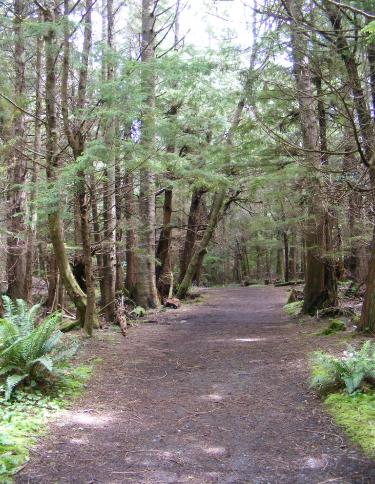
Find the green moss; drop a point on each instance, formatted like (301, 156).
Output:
(335, 326)
(25, 417)
(356, 413)
(294, 308)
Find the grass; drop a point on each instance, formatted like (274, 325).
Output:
(356, 414)
(25, 418)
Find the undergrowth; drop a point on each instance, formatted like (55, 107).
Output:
(293, 308)
(352, 371)
(335, 326)
(24, 418)
(347, 382)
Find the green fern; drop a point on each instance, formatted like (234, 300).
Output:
(29, 351)
(351, 371)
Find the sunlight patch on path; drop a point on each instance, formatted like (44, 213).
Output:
(237, 340)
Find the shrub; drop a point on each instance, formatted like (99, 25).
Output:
(350, 371)
(29, 351)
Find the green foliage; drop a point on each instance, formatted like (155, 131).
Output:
(293, 308)
(24, 418)
(350, 371)
(29, 351)
(138, 311)
(335, 326)
(369, 31)
(356, 414)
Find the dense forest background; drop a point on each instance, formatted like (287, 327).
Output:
(139, 158)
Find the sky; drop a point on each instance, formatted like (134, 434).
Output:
(204, 21)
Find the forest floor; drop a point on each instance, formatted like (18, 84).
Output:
(215, 392)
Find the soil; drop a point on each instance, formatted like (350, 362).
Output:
(215, 392)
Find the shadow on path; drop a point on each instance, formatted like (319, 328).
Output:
(216, 393)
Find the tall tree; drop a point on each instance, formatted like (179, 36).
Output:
(320, 280)
(146, 292)
(16, 243)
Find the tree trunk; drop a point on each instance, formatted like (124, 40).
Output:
(319, 292)
(109, 256)
(16, 203)
(201, 250)
(76, 139)
(366, 145)
(52, 163)
(97, 236)
(163, 256)
(146, 292)
(293, 259)
(52, 278)
(31, 233)
(279, 264)
(191, 231)
(119, 189)
(286, 255)
(131, 237)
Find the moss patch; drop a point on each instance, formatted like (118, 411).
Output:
(335, 326)
(293, 308)
(356, 413)
(25, 417)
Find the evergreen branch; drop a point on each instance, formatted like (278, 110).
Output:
(13, 103)
(352, 9)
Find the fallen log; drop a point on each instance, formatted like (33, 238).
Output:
(289, 283)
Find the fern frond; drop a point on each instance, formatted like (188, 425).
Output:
(11, 382)
(9, 308)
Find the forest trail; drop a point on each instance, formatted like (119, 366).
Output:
(215, 393)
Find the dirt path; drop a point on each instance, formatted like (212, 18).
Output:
(215, 394)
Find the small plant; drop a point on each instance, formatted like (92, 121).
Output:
(350, 371)
(293, 308)
(29, 351)
(138, 311)
(25, 417)
(334, 327)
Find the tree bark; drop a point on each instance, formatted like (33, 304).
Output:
(109, 246)
(191, 231)
(31, 232)
(366, 146)
(201, 250)
(163, 256)
(131, 237)
(146, 292)
(76, 140)
(52, 163)
(16, 203)
(319, 276)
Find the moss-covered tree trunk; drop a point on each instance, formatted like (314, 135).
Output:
(52, 164)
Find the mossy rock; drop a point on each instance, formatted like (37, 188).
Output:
(335, 326)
